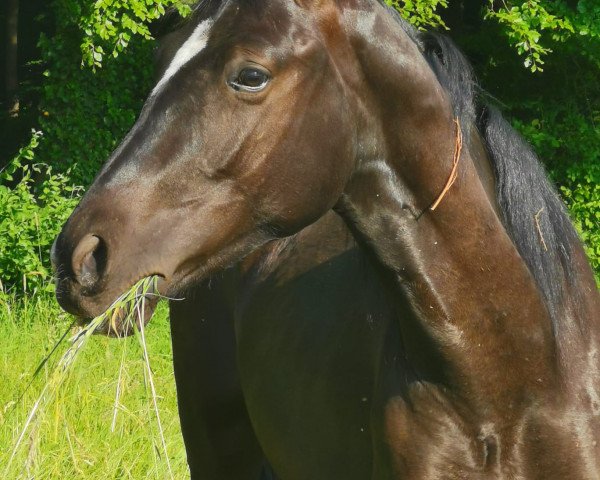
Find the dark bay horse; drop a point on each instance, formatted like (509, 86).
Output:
(379, 281)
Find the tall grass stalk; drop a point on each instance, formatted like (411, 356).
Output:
(118, 390)
(142, 337)
(131, 302)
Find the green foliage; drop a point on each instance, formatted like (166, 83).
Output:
(582, 194)
(526, 22)
(32, 212)
(421, 13)
(85, 114)
(112, 23)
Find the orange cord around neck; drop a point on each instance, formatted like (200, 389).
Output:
(454, 172)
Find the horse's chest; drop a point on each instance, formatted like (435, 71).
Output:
(307, 353)
(318, 361)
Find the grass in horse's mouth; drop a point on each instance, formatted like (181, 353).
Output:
(129, 311)
(132, 309)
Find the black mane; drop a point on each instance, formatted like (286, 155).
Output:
(532, 213)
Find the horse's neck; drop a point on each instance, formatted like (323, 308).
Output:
(455, 267)
(462, 278)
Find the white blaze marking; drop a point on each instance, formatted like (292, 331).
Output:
(192, 47)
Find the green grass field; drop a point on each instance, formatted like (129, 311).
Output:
(84, 432)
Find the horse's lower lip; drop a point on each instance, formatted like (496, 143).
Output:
(117, 326)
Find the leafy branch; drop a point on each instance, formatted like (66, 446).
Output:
(110, 25)
(421, 13)
(526, 22)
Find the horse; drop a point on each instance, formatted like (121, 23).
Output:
(378, 279)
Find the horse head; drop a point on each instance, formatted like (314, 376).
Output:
(250, 134)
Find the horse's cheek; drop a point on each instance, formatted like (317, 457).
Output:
(319, 177)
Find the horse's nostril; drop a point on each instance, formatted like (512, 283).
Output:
(89, 260)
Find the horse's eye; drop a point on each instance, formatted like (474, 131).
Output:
(250, 79)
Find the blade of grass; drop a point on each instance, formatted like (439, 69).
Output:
(129, 300)
(118, 390)
(142, 339)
